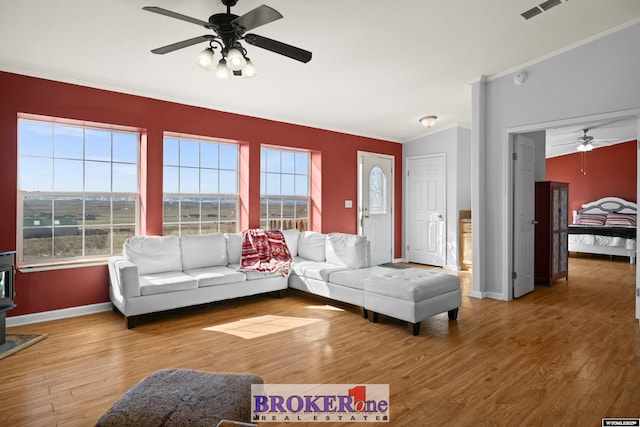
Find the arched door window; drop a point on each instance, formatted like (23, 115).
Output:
(377, 191)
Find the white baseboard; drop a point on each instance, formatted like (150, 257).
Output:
(495, 295)
(492, 295)
(45, 316)
(476, 294)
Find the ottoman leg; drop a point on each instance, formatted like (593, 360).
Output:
(365, 313)
(416, 328)
(453, 314)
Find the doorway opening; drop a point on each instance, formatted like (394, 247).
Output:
(514, 251)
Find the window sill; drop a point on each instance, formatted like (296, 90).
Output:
(48, 267)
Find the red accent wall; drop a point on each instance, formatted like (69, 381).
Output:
(333, 152)
(608, 171)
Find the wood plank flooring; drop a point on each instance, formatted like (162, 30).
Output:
(564, 355)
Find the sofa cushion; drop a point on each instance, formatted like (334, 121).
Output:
(161, 283)
(354, 278)
(234, 247)
(311, 245)
(347, 249)
(153, 254)
(315, 270)
(291, 238)
(203, 250)
(212, 276)
(257, 275)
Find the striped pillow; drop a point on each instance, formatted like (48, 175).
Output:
(591, 219)
(620, 220)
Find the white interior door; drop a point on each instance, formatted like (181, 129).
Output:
(376, 205)
(426, 213)
(523, 215)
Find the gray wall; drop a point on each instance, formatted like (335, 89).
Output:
(598, 78)
(455, 143)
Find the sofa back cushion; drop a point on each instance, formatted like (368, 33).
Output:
(153, 254)
(203, 250)
(291, 238)
(347, 249)
(234, 247)
(311, 245)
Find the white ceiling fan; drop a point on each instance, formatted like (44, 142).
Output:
(588, 142)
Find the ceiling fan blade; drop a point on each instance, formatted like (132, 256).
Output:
(279, 47)
(605, 140)
(254, 18)
(179, 45)
(176, 15)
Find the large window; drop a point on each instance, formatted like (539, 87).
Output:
(77, 189)
(200, 186)
(284, 189)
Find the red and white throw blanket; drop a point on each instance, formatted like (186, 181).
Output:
(265, 251)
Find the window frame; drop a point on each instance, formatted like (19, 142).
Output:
(301, 223)
(201, 197)
(83, 225)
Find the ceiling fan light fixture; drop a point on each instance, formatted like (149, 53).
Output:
(249, 69)
(428, 121)
(235, 60)
(205, 58)
(586, 146)
(222, 71)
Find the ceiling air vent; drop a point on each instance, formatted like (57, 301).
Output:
(531, 13)
(549, 4)
(542, 7)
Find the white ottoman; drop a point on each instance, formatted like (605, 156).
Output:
(412, 295)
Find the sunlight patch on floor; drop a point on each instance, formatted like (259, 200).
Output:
(260, 326)
(324, 307)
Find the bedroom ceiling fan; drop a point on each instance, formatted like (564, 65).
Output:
(228, 32)
(586, 142)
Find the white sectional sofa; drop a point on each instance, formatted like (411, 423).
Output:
(157, 273)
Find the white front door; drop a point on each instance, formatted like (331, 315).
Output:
(523, 215)
(375, 205)
(426, 211)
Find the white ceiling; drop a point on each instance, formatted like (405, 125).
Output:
(377, 66)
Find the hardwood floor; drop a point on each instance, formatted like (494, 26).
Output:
(565, 355)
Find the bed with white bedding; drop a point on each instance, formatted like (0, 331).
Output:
(607, 227)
